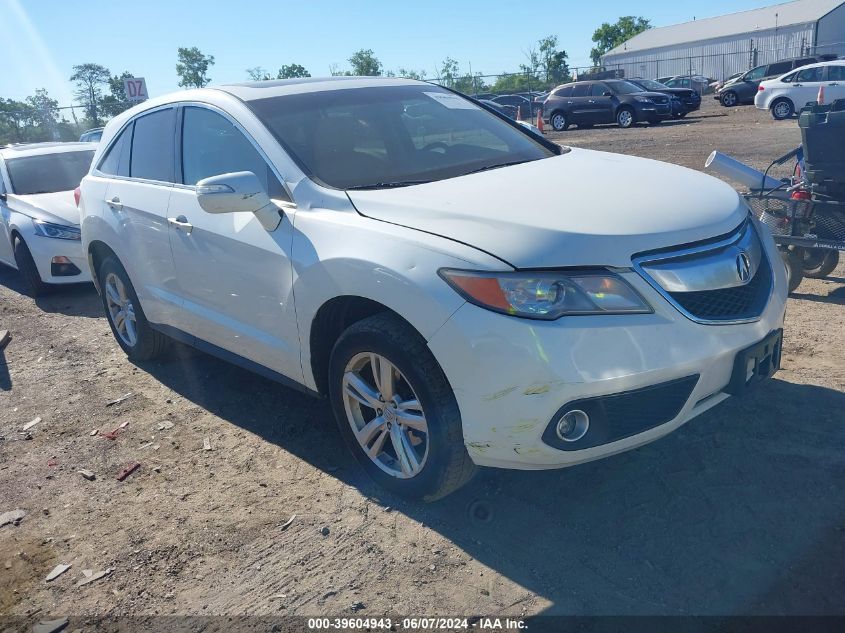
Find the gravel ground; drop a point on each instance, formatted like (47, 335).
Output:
(739, 512)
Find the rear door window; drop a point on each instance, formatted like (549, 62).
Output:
(153, 146)
(212, 145)
(836, 73)
(758, 73)
(116, 160)
(581, 90)
(776, 70)
(566, 91)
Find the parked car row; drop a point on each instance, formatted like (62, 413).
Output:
(357, 238)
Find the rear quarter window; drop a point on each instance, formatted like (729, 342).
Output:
(566, 91)
(116, 160)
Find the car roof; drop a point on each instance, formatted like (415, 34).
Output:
(37, 149)
(253, 90)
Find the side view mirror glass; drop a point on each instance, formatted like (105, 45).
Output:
(607, 93)
(238, 192)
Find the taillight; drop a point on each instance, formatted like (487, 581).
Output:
(761, 88)
(800, 194)
(76, 195)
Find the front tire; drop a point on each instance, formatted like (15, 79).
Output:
(782, 109)
(29, 271)
(559, 122)
(793, 259)
(625, 118)
(125, 316)
(396, 410)
(729, 99)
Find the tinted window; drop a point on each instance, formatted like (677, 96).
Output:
(836, 73)
(153, 147)
(566, 91)
(116, 160)
(580, 90)
(810, 74)
(391, 135)
(48, 173)
(212, 145)
(776, 70)
(804, 62)
(789, 78)
(623, 87)
(599, 90)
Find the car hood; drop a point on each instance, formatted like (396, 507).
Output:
(583, 208)
(58, 207)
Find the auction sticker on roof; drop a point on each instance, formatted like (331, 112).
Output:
(451, 101)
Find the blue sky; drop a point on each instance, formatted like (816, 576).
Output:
(40, 40)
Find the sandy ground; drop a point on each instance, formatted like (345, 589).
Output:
(739, 512)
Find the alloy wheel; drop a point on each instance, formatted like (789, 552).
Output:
(625, 118)
(558, 122)
(385, 414)
(729, 99)
(121, 311)
(782, 110)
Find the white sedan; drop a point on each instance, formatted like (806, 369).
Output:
(786, 95)
(39, 221)
(427, 266)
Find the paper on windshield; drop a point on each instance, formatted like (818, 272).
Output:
(451, 101)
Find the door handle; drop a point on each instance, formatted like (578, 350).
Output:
(114, 203)
(797, 85)
(833, 84)
(181, 223)
(590, 101)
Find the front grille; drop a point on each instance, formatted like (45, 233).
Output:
(704, 281)
(729, 304)
(661, 100)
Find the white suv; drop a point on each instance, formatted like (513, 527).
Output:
(462, 290)
(786, 95)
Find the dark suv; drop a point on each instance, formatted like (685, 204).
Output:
(684, 100)
(743, 89)
(588, 103)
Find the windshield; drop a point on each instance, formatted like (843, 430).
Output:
(392, 135)
(623, 87)
(48, 173)
(650, 84)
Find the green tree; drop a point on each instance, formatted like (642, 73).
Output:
(116, 101)
(410, 74)
(292, 71)
(90, 79)
(45, 115)
(553, 61)
(15, 118)
(257, 73)
(365, 64)
(192, 67)
(609, 36)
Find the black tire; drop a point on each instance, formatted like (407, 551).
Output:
(150, 343)
(447, 466)
(819, 262)
(26, 267)
(559, 121)
(782, 109)
(624, 121)
(794, 262)
(729, 99)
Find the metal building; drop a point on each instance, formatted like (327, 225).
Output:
(719, 47)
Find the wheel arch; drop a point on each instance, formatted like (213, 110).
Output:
(778, 100)
(97, 253)
(330, 321)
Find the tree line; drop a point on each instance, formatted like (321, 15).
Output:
(100, 94)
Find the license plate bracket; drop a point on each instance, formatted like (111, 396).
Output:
(756, 364)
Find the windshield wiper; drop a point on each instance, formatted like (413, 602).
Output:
(498, 166)
(388, 185)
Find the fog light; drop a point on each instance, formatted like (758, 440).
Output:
(60, 259)
(573, 425)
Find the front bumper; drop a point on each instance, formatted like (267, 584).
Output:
(654, 112)
(45, 249)
(512, 376)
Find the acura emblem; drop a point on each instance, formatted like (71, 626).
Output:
(743, 267)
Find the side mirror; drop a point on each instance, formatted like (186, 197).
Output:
(607, 93)
(238, 192)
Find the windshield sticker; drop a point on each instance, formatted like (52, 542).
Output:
(451, 101)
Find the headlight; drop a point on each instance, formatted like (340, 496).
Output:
(643, 99)
(57, 231)
(548, 295)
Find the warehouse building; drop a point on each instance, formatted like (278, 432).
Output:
(719, 47)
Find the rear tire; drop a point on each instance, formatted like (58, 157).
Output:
(625, 118)
(28, 270)
(431, 461)
(819, 262)
(782, 109)
(126, 318)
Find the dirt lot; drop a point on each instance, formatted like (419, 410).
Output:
(740, 512)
